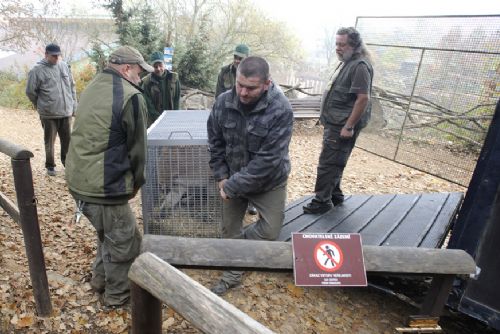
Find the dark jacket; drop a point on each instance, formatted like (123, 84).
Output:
(250, 149)
(51, 89)
(340, 99)
(106, 157)
(226, 79)
(162, 93)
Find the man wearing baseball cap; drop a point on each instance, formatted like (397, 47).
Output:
(162, 88)
(51, 89)
(105, 168)
(227, 75)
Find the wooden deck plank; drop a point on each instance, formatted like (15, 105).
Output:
(437, 233)
(363, 216)
(322, 223)
(416, 220)
(423, 214)
(387, 221)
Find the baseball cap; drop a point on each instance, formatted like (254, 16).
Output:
(156, 57)
(52, 49)
(241, 50)
(128, 55)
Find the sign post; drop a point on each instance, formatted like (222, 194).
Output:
(168, 54)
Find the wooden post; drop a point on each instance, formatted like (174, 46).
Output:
(146, 311)
(198, 305)
(28, 219)
(437, 295)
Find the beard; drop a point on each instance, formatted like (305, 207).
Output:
(346, 56)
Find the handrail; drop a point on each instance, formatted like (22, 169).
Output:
(26, 215)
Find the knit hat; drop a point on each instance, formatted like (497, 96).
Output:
(128, 55)
(156, 57)
(241, 50)
(52, 49)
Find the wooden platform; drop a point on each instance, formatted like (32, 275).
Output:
(407, 220)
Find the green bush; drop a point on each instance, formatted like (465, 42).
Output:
(12, 88)
(12, 91)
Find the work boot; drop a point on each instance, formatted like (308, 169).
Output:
(252, 210)
(97, 284)
(317, 208)
(107, 306)
(337, 201)
(222, 287)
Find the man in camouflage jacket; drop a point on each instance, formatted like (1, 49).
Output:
(249, 131)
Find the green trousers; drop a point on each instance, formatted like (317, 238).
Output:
(271, 208)
(118, 244)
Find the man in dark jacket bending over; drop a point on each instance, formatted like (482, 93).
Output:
(249, 131)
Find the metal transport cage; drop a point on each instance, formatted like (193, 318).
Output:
(180, 197)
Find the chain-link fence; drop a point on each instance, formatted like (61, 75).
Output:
(437, 80)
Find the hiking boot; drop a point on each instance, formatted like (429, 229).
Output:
(337, 201)
(317, 208)
(97, 285)
(107, 306)
(252, 210)
(51, 171)
(221, 288)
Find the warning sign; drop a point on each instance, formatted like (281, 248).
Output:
(328, 259)
(328, 256)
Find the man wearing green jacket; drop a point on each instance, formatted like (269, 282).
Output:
(227, 76)
(162, 88)
(105, 168)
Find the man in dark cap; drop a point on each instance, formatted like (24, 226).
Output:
(162, 88)
(105, 168)
(51, 89)
(227, 75)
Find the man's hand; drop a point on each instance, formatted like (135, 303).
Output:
(221, 190)
(346, 134)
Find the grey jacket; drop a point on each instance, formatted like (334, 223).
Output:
(250, 149)
(51, 89)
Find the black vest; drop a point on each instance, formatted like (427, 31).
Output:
(339, 102)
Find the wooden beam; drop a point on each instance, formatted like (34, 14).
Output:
(198, 305)
(9, 207)
(252, 254)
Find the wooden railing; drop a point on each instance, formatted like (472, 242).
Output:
(154, 282)
(442, 264)
(27, 217)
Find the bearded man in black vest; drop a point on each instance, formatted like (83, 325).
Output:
(345, 110)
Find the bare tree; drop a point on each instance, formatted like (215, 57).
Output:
(15, 29)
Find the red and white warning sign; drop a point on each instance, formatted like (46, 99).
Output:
(328, 259)
(328, 256)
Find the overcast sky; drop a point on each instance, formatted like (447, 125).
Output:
(309, 18)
